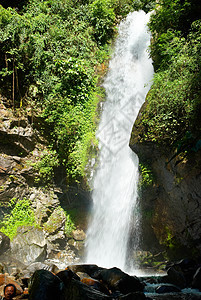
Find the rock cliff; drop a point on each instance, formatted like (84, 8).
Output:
(21, 147)
(171, 205)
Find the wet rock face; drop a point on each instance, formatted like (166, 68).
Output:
(44, 285)
(172, 204)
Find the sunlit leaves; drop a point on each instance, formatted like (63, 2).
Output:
(102, 19)
(174, 101)
(22, 214)
(51, 55)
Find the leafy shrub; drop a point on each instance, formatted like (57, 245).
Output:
(171, 17)
(22, 214)
(174, 101)
(102, 19)
(146, 175)
(45, 166)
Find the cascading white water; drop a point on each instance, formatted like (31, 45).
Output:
(115, 182)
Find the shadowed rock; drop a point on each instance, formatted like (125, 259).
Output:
(4, 243)
(77, 290)
(92, 270)
(133, 296)
(45, 286)
(95, 284)
(175, 277)
(116, 279)
(167, 289)
(197, 279)
(67, 275)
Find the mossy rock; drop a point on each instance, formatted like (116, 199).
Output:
(56, 221)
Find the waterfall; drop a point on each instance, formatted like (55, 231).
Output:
(115, 182)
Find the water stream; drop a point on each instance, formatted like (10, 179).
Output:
(115, 181)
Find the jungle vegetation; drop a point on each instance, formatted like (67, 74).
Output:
(53, 55)
(172, 113)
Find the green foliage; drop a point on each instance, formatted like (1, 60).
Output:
(174, 101)
(52, 54)
(146, 175)
(102, 19)
(172, 243)
(171, 18)
(13, 3)
(45, 166)
(85, 147)
(69, 225)
(22, 214)
(104, 14)
(169, 238)
(123, 7)
(175, 15)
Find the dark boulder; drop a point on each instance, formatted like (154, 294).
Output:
(95, 284)
(196, 283)
(67, 275)
(185, 266)
(164, 289)
(76, 290)
(116, 279)
(92, 270)
(133, 296)
(174, 296)
(45, 286)
(188, 267)
(175, 277)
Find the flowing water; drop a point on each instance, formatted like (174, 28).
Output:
(115, 182)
